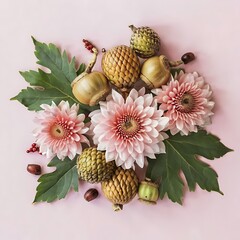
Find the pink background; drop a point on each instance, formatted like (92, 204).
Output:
(210, 28)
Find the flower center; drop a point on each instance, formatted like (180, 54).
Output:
(60, 130)
(186, 103)
(128, 126)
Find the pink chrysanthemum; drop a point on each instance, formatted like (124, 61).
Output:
(186, 102)
(60, 131)
(129, 130)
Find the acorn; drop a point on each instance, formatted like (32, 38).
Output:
(144, 41)
(90, 87)
(155, 71)
(121, 188)
(121, 66)
(148, 192)
(34, 169)
(91, 194)
(93, 167)
(187, 57)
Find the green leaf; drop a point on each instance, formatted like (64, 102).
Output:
(33, 98)
(54, 86)
(161, 169)
(46, 89)
(182, 156)
(57, 184)
(200, 143)
(81, 69)
(50, 56)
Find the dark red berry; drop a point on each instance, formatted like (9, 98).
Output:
(34, 148)
(88, 45)
(187, 57)
(34, 169)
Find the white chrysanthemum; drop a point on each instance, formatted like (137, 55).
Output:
(128, 130)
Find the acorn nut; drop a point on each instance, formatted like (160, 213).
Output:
(187, 57)
(91, 194)
(90, 87)
(34, 169)
(155, 71)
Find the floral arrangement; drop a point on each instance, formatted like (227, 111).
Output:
(141, 109)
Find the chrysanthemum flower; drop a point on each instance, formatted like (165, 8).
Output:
(128, 130)
(186, 102)
(60, 131)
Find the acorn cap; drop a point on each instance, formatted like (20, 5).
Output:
(92, 166)
(121, 66)
(122, 187)
(144, 41)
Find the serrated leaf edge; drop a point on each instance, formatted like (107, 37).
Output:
(39, 180)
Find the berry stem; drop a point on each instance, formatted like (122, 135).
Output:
(92, 49)
(91, 64)
(175, 63)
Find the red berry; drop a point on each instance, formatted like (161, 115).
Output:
(34, 148)
(88, 45)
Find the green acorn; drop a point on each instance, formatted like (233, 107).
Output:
(92, 166)
(148, 191)
(144, 41)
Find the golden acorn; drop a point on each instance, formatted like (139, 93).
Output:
(90, 87)
(155, 71)
(144, 41)
(92, 166)
(121, 66)
(121, 188)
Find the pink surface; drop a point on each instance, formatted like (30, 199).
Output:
(210, 28)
